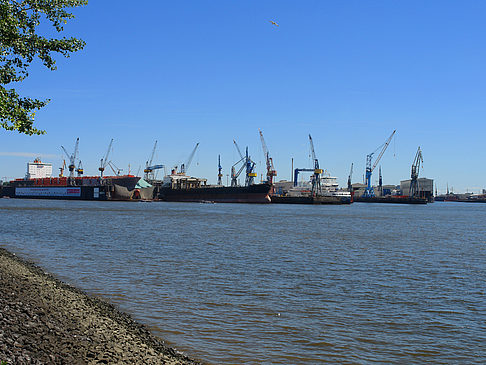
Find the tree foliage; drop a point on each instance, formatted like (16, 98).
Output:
(20, 45)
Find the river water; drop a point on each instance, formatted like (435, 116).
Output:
(275, 284)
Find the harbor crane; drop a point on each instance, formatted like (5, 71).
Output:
(380, 181)
(350, 176)
(220, 175)
(151, 169)
(62, 168)
(414, 188)
(72, 158)
(296, 174)
(148, 163)
(271, 172)
(104, 161)
(369, 191)
(247, 163)
(185, 166)
(114, 168)
(316, 178)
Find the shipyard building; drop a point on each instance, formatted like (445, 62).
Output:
(425, 187)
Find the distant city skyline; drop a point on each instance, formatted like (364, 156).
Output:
(346, 73)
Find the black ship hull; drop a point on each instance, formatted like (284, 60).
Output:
(335, 200)
(391, 199)
(258, 193)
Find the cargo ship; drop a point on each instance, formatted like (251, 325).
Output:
(178, 187)
(38, 184)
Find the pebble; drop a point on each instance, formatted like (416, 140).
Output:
(43, 321)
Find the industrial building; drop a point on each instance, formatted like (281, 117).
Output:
(425, 187)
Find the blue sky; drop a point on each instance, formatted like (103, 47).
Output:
(347, 72)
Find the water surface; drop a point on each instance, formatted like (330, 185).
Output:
(275, 284)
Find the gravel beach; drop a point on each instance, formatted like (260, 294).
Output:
(45, 321)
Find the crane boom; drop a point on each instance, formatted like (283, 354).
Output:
(185, 166)
(148, 163)
(66, 152)
(350, 177)
(153, 153)
(104, 161)
(270, 169)
(383, 150)
(76, 148)
(238, 148)
(369, 191)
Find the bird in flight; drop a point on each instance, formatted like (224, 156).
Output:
(271, 21)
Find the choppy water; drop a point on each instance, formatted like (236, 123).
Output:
(275, 284)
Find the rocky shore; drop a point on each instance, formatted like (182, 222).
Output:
(45, 321)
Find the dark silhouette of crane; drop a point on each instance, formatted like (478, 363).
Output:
(104, 161)
(350, 176)
(271, 172)
(316, 178)
(414, 188)
(220, 175)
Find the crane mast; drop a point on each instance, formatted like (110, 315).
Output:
(250, 165)
(369, 191)
(270, 169)
(414, 188)
(220, 175)
(316, 178)
(350, 176)
(104, 161)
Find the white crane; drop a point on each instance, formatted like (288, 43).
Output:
(72, 158)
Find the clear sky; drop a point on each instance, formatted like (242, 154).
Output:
(347, 72)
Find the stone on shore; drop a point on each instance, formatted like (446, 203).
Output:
(45, 321)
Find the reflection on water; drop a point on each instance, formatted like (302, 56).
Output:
(276, 284)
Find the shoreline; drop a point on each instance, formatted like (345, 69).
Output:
(44, 320)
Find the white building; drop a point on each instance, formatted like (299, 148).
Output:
(38, 169)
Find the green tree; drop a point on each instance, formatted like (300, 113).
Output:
(20, 44)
